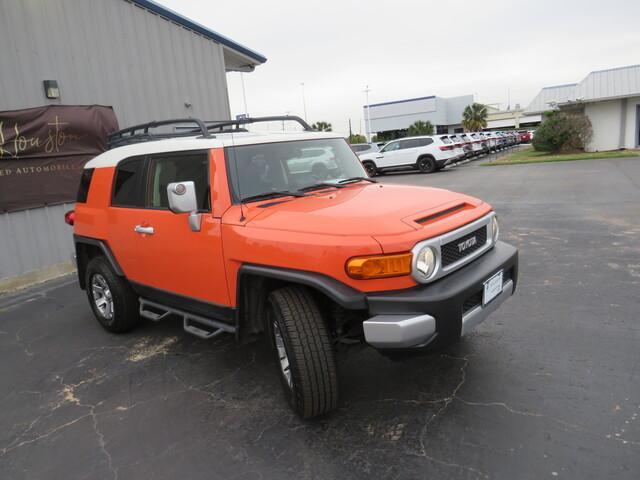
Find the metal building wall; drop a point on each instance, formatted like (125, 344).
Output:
(401, 114)
(108, 52)
(34, 245)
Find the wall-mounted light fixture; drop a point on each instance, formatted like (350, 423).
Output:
(51, 89)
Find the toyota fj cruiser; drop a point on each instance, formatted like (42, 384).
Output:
(232, 232)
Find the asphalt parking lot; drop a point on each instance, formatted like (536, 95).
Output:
(548, 387)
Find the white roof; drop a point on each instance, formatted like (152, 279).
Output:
(596, 86)
(110, 158)
(611, 83)
(549, 95)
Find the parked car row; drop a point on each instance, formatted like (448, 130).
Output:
(430, 153)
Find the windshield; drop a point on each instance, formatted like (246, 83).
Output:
(288, 166)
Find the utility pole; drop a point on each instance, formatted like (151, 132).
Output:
(304, 103)
(350, 132)
(244, 94)
(366, 91)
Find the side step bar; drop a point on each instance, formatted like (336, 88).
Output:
(201, 327)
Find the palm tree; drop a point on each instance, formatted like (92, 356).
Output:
(420, 128)
(474, 117)
(322, 126)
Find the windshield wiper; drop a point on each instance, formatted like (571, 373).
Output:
(319, 185)
(279, 193)
(356, 179)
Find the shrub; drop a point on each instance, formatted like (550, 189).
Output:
(357, 138)
(420, 128)
(562, 132)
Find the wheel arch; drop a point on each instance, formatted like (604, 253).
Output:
(87, 249)
(255, 282)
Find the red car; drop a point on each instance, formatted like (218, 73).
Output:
(524, 136)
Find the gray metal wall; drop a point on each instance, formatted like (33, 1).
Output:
(107, 52)
(33, 239)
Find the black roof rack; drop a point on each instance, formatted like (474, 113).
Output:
(140, 133)
(221, 125)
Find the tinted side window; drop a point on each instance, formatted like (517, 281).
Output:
(391, 147)
(423, 142)
(85, 182)
(182, 167)
(404, 144)
(128, 188)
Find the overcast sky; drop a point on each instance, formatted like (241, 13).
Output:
(405, 49)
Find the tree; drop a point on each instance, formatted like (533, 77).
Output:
(357, 138)
(420, 128)
(322, 126)
(474, 117)
(562, 132)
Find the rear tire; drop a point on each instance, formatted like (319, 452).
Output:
(426, 164)
(370, 168)
(304, 355)
(113, 301)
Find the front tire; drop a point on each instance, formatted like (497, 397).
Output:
(426, 165)
(304, 354)
(112, 300)
(370, 168)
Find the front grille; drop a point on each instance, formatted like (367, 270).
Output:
(451, 252)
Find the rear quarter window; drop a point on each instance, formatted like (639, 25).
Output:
(85, 183)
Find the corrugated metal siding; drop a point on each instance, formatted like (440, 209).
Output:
(612, 83)
(558, 94)
(33, 239)
(109, 52)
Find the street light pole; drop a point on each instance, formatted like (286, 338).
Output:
(366, 91)
(304, 102)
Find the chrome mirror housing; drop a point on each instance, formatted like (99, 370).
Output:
(182, 199)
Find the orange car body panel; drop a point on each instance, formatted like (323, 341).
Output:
(317, 233)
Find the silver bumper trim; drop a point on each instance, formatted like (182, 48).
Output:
(398, 331)
(478, 314)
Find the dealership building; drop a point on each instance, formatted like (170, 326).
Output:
(609, 98)
(141, 59)
(392, 119)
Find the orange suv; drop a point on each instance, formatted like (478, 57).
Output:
(281, 234)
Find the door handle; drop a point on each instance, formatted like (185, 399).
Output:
(141, 229)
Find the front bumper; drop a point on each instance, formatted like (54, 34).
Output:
(442, 311)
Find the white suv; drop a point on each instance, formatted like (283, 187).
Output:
(427, 154)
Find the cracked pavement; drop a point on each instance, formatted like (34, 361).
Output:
(547, 387)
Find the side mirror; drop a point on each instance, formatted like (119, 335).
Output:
(182, 199)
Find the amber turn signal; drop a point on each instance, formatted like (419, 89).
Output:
(379, 266)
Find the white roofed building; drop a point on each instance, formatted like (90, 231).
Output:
(395, 117)
(611, 100)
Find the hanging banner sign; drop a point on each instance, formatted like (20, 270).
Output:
(43, 151)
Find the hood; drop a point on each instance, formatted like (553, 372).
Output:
(360, 209)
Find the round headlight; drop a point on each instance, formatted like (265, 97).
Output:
(495, 230)
(426, 262)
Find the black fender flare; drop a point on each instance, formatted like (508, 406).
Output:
(106, 251)
(344, 295)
